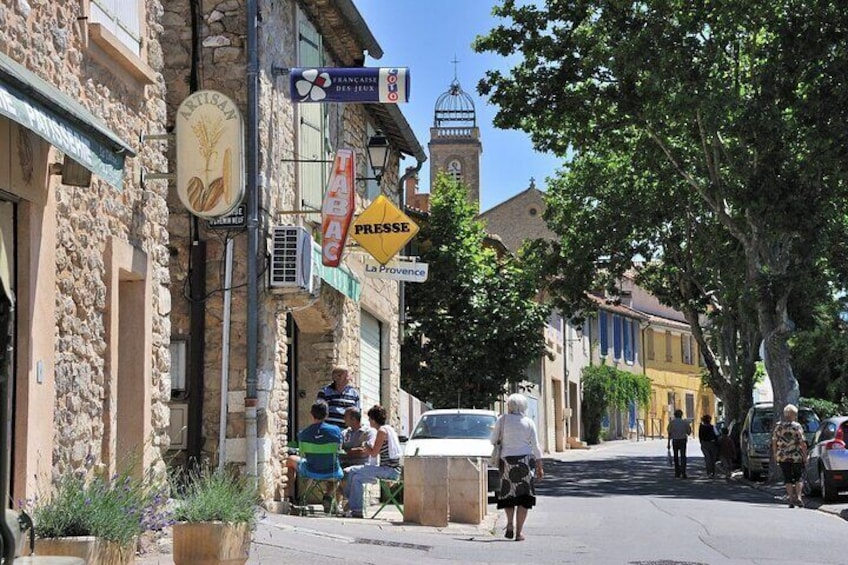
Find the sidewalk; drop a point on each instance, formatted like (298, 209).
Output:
(333, 527)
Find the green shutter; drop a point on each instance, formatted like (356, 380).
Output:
(311, 142)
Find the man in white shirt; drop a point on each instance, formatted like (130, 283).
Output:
(678, 432)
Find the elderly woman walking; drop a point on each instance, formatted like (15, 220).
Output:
(520, 456)
(790, 452)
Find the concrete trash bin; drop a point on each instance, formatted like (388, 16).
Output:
(438, 490)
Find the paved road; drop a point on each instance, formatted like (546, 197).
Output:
(619, 504)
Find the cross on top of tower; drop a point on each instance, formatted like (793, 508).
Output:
(455, 62)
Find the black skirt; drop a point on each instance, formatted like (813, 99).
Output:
(517, 482)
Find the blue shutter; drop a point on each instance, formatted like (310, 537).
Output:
(628, 340)
(616, 336)
(603, 336)
(635, 327)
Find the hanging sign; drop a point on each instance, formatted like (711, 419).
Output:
(210, 154)
(337, 208)
(350, 84)
(408, 271)
(383, 229)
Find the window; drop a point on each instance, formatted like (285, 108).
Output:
(649, 343)
(122, 18)
(690, 406)
(455, 170)
(671, 405)
(628, 341)
(312, 126)
(616, 336)
(179, 349)
(686, 349)
(603, 336)
(668, 354)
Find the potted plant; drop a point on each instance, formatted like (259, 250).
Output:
(97, 519)
(215, 518)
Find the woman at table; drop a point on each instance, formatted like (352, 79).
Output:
(387, 447)
(520, 456)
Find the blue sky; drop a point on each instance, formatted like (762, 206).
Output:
(425, 35)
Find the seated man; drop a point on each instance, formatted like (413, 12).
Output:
(354, 438)
(319, 432)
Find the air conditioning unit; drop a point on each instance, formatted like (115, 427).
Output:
(292, 264)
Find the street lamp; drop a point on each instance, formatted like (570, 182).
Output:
(378, 155)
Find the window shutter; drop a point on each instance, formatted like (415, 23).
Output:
(311, 147)
(616, 336)
(603, 336)
(120, 17)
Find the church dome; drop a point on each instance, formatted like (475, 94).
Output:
(455, 108)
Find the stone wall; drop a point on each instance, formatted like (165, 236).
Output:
(50, 39)
(519, 219)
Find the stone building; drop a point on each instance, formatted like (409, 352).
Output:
(349, 320)
(87, 240)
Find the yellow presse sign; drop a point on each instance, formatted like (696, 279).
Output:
(383, 229)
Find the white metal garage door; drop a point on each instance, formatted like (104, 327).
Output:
(369, 362)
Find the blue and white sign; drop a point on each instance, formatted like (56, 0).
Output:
(409, 271)
(350, 84)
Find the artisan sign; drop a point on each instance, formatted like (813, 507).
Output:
(350, 84)
(408, 271)
(383, 229)
(337, 208)
(210, 154)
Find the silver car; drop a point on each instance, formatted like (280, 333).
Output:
(827, 463)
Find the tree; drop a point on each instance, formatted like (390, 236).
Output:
(474, 326)
(606, 387)
(732, 114)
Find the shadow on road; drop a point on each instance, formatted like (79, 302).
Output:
(638, 476)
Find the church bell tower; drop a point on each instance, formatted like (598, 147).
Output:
(455, 145)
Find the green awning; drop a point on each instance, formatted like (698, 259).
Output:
(339, 278)
(63, 122)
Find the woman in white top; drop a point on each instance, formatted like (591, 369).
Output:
(520, 456)
(387, 447)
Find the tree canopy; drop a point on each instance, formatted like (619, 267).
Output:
(474, 326)
(709, 135)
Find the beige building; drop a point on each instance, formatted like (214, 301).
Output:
(87, 240)
(336, 316)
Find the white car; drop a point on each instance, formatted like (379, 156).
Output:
(827, 463)
(450, 432)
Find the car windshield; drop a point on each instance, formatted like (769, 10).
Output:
(763, 421)
(454, 426)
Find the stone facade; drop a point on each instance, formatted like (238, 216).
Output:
(92, 262)
(462, 145)
(321, 331)
(518, 219)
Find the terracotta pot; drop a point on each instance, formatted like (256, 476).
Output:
(92, 550)
(211, 543)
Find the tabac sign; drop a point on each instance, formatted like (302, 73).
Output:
(382, 229)
(337, 208)
(210, 154)
(350, 84)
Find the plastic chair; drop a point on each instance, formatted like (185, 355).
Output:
(313, 479)
(391, 491)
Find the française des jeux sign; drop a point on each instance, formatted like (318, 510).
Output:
(210, 154)
(337, 207)
(350, 84)
(383, 229)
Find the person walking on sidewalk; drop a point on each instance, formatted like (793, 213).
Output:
(679, 431)
(521, 455)
(709, 443)
(790, 452)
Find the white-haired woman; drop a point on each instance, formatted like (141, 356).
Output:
(790, 452)
(520, 457)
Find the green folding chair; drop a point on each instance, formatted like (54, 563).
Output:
(313, 480)
(391, 492)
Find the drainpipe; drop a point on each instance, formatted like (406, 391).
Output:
(225, 353)
(252, 161)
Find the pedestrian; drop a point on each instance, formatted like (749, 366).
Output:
(726, 452)
(790, 452)
(354, 438)
(339, 396)
(521, 455)
(387, 447)
(709, 443)
(679, 431)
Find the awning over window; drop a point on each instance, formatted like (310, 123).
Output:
(339, 278)
(63, 122)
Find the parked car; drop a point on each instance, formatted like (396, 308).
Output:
(827, 463)
(755, 437)
(461, 431)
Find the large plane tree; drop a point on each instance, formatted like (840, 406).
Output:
(733, 116)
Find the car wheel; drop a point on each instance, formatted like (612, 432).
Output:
(828, 491)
